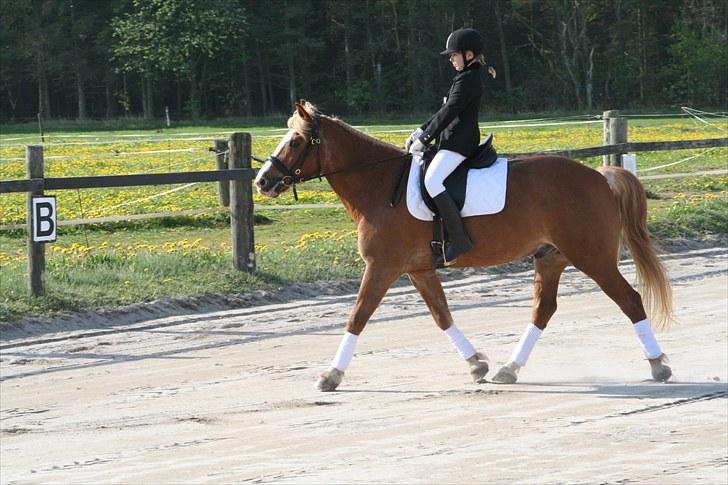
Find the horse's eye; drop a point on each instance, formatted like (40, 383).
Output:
(294, 143)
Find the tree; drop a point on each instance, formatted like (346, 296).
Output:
(83, 58)
(182, 37)
(699, 55)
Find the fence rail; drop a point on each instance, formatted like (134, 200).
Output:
(622, 148)
(105, 181)
(241, 199)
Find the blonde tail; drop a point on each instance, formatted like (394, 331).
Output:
(651, 275)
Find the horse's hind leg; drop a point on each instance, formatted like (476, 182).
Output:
(428, 284)
(548, 269)
(611, 281)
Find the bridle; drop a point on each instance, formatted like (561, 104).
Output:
(292, 175)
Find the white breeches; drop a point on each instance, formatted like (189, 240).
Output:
(444, 163)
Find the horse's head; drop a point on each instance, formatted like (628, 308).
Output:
(297, 156)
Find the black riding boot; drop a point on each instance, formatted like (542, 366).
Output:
(459, 241)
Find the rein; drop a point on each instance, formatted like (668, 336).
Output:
(291, 176)
(357, 168)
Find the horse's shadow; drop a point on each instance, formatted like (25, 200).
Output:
(679, 391)
(639, 390)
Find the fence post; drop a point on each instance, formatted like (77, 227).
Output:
(615, 132)
(36, 250)
(241, 205)
(221, 159)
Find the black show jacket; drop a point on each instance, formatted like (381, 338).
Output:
(456, 123)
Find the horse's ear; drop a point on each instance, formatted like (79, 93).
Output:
(301, 110)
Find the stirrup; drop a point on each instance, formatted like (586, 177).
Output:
(438, 253)
(450, 262)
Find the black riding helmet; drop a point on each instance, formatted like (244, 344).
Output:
(463, 40)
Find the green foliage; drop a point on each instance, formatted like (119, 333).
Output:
(292, 246)
(699, 60)
(690, 219)
(246, 57)
(175, 35)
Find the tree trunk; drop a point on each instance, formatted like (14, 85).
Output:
(291, 82)
(347, 58)
(81, 94)
(261, 79)
(376, 66)
(150, 97)
(415, 88)
(44, 102)
(395, 25)
(504, 55)
(576, 52)
(109, 94)
(269, 85)
(194, 97)
(590, 81)
(290, 60)
(204, 98)
(179, 98)
(147, 98)
(13, 101)
(642, 57)
(127, 99)
(144, 96)
(246, 84)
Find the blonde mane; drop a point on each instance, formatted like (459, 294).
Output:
(298, 124)
(305, 127)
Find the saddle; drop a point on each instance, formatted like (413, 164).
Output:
(456, 183)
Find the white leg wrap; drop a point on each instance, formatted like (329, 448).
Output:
(650, 347)
(525, 345)
(343, 356)
(460, 342)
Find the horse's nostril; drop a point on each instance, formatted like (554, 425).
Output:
(262, 182)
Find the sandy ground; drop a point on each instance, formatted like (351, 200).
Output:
(229, 396)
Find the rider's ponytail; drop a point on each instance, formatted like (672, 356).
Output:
(480, 59)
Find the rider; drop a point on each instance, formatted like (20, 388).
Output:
(455, 126)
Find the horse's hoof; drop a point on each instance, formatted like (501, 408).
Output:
(330, 380)
(505, 375)
(660, 371)
(478, 367)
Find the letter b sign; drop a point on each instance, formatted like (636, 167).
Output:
(43, 218)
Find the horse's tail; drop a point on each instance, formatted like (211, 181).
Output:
(651, 275)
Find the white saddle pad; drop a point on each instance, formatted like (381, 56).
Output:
(485, 193)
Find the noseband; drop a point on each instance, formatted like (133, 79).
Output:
(292, 175)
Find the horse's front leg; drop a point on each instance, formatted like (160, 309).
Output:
(374, 285)
(429, 286)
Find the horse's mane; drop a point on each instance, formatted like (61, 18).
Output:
(305, 127)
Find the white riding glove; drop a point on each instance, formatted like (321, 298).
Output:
(417, 147)
(415, 135)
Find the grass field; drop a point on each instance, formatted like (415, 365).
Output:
(105, 265)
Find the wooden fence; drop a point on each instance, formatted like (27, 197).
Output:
(238, 176)
(615, 143)
(233, 158)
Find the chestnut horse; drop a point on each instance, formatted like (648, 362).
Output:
(558, 210)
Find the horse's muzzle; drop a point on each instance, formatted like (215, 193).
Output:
(266, 187)
(269, 185)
